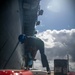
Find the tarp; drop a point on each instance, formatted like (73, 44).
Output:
(15, 72)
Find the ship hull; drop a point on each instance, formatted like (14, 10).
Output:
(10, 28)
(16, 18)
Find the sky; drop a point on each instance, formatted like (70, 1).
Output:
(58, 14)
(57, 30)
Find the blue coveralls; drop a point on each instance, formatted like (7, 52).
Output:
(32, 45)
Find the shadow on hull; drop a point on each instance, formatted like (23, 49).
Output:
(16, 17)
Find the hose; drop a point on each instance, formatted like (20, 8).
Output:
(11, 55)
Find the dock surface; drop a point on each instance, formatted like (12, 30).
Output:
(39, 72)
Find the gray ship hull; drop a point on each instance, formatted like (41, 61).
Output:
(14, 20)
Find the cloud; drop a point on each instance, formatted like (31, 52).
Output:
(51, 64)
(39, 65)
(58, 43)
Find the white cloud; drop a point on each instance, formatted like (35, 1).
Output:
(51, 65)
(47, 38)
(58, 42)
(56, 38)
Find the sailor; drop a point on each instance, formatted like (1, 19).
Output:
(32, 45)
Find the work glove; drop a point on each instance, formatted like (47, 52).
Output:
(22, 38)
